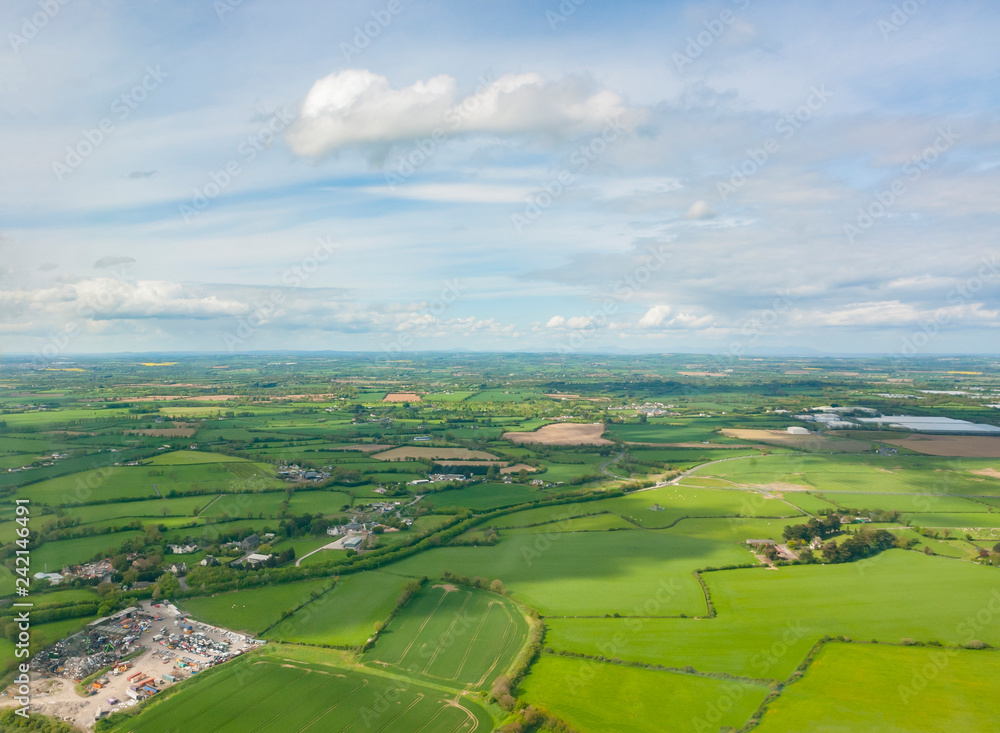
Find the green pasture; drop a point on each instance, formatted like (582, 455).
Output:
(596, 696)
(864, 688)
(588, 573)
(767, 620)
(254, 609)
(869, 474)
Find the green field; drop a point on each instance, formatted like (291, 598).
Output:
(327, 699)
(593, 696)
(453, 636)
(868, 474)
(881, 689)
(189, 457)
(589, 573)
(57, 555)
(345, 616)
(484, 496)
(875, 599)
(254, 609)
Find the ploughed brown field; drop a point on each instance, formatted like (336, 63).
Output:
(960, 446)
(564, 433)
(821, 443)
(454, 454)
(401, 397)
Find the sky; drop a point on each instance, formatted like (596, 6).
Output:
(739, 177)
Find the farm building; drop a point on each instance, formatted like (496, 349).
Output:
(353, 543)
(797, 431)
(761, 543)
(250, 543)
(257, 558)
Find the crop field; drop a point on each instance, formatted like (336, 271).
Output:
(408, 452)
(454, 635)
(595, 696)
(868, 688)
(876, 600)
(589, 573)
(936, 519)
(562, 434)
(254, 609)
(345, 616)
(328, 700)
(808, 443)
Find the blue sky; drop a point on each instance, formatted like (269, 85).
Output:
(736, 177)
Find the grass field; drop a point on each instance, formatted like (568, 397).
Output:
(189, 457)
(57, 555)
(880, 689)
(671, 431)
(484, 496)
(451, 635)
(874, 599)
(345, 616)
(594, 696)
(589, 573)
(875, 474)
(282, 693)
(254, 609)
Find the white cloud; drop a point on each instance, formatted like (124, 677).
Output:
(556, 322)
(699, 210)
(655, 316)
(358, 107)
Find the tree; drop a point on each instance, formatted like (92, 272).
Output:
(497, 587)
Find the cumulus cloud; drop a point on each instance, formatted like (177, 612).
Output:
(111, 261)
(357, 107)
(655, 316)
(699, 210)
(556, 322)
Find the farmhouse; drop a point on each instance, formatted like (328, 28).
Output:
(250, 543)
(183, 549)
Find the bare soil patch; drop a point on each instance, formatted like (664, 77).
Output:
(990, 472)
(414, 451)
(214, 397)
(446, 587)
(401, 397)
(800, 442)
(517, 467)
(563, 434)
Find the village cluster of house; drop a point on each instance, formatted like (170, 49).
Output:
(295, 472)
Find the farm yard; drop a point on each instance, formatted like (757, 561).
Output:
(567, 546)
